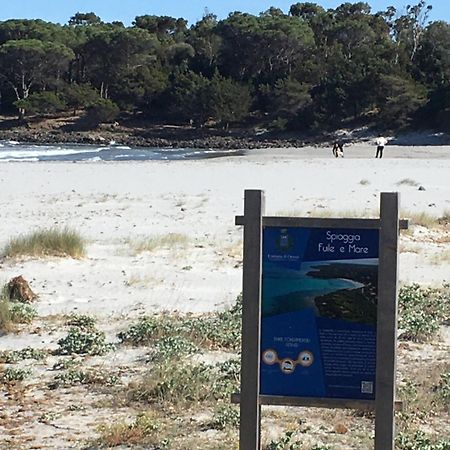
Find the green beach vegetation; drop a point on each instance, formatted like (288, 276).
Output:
(46, 242)
(306, 68)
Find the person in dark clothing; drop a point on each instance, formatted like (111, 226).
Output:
(338, 148)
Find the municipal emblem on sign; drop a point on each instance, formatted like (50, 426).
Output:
(284, 242)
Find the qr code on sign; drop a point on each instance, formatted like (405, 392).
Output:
(367, 387)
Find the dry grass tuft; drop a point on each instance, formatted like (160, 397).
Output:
(143, 430)
(440, 258)
(408, 182)
(47, 242)
(152, 243)
(422, 219)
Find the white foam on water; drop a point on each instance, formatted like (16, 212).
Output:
(36, 152)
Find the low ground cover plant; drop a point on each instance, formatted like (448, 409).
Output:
(12, 313)
(422, 310)
(225, 416)
(13, 356)
(184, 384)
(144, 429)
(46, 242)
(13, 374)
(73, 377)
(81, 321)
(420, 441)
(84, 342)
(221, 330)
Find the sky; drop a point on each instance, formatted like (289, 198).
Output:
(192, 10)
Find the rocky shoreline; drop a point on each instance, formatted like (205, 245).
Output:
(172, 136)
(161, 137)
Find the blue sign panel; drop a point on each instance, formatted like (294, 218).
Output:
(319, 310)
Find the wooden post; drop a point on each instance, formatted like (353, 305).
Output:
(387, 323)
(250, 410)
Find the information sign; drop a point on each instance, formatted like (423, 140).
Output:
(319, 312)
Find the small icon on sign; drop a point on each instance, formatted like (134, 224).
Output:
(284, 242)
(305, 358)
(287, 366)
(270, 357)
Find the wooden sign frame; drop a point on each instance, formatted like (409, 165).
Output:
(249, 398)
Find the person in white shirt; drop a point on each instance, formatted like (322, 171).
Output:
(381, 142)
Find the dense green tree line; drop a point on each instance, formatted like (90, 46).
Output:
(305, 69)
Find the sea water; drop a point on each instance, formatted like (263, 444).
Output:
(17, 151)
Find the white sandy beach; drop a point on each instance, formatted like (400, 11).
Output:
(113, 204)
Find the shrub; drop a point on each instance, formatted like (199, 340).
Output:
(285, 442)
(420, 441)
(172, 346)
(13, 356)
(13, 313)
(12, 374)
(101, 111)
(41, 103)
(49, 242)
(225, 416)
(178, 384)
(74, 376)
(22, 313)
(141, 431)
(421, 310)
(221, 330)
(149, 329)
(63, 364)
(81, 321)
(442, 390)
(84, 342)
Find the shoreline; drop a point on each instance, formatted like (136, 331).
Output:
(62, 131)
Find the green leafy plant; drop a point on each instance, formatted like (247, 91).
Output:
(65, 363)
(285, 442)
(421, 311)
(225, 416)
(442, 390)
(13, 356)
(12, 374)
(420, 441)
(149, 329)
(22, 313)
(81, 321)
(221, 330)
(185, 383)
(172, 346)
(83, 342)
(74, 376)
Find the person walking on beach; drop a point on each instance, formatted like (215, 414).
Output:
(381, 142)
(338, 149)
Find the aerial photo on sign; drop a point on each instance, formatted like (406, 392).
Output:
(319, 312)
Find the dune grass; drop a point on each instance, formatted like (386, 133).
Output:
(152, 243)
(46, 242)
(422, 218)
(408, 182)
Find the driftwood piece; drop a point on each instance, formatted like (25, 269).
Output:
(20, 291)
